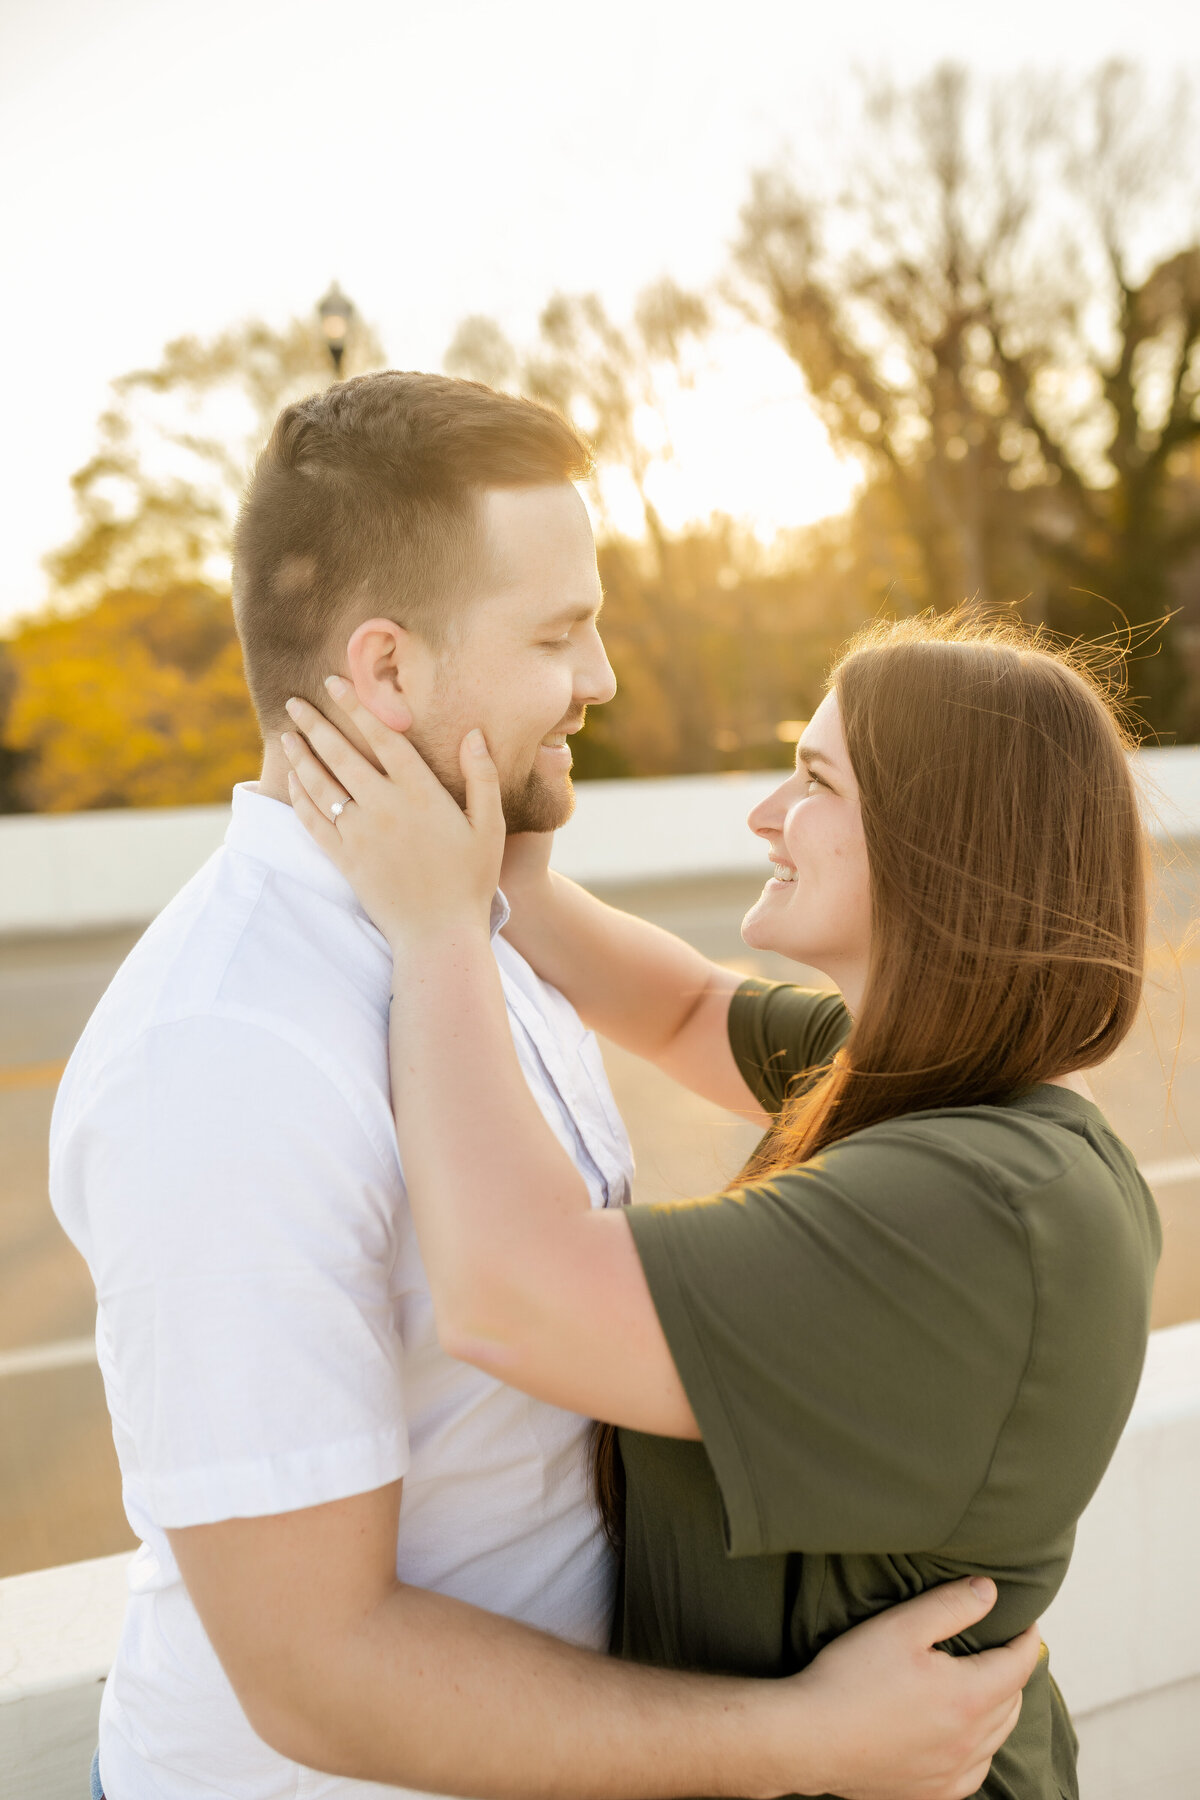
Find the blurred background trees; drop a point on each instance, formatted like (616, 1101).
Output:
(128, 691)
(1000, 312)
(993, 294)
(713, 639)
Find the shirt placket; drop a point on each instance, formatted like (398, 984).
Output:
(603, 1148)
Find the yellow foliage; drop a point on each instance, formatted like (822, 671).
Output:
(137, 701)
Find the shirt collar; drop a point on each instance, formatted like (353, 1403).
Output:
(269, 831)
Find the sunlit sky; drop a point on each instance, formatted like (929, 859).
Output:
(172, 168)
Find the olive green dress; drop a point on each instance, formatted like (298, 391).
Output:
(910, 1359)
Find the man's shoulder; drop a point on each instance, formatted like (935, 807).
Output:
(240, 939)
(245, 967)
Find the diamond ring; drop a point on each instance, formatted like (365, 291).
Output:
(337, 809)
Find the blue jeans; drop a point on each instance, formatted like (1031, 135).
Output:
(97, 1790)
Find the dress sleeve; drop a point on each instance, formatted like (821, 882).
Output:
(852, 1335)
(242, 1240)
(779, 1033)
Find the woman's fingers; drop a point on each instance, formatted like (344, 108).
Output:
(349, 765)
(485, 810)
(320, 786)
(391, 747)
(312, 818)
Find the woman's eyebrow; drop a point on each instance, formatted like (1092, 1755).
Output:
(810, 754)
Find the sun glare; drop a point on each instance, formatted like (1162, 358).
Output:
(747, 442)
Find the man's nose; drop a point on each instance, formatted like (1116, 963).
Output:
(595, 682)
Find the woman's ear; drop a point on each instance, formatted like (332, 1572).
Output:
(385, 663)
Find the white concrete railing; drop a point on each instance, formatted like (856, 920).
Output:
(79, 871)
(1124, 1633)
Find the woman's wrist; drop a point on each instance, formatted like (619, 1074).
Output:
(414, 935)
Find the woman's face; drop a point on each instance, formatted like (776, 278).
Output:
(816, 908)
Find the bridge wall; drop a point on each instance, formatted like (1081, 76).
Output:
(87, 871)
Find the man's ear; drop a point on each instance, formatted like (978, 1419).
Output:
(384, 662)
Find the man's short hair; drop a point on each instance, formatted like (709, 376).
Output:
(366, 500)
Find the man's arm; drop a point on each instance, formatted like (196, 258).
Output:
(340, 1667)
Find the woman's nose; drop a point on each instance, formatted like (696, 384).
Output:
(766, 818)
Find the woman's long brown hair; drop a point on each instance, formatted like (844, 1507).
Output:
(1008, 873)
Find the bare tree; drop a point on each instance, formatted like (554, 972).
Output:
(984, 312)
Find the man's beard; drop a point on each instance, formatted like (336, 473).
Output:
(534, 804)
(529, 801)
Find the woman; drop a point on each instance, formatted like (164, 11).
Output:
(902, 1348)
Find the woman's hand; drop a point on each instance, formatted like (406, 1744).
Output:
(418, 862)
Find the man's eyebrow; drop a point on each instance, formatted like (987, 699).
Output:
(575, 615)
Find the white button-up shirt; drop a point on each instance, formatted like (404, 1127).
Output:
(223, 1154)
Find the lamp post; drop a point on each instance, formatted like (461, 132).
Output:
(336, 313)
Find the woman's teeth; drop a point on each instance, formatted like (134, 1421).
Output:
(782, 872)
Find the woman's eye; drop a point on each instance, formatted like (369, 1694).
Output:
(813, 782)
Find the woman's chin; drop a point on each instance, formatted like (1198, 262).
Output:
(763, 929)
(758, 931)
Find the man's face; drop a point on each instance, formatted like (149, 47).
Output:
(525, 660)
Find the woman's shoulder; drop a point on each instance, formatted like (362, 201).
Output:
(779, 1031)
(1047, 1163)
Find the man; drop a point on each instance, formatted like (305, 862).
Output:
(325, 1500)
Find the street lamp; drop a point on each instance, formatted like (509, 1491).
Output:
(336, 313)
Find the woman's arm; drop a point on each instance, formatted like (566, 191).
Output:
(638, 985)
(528, 1282)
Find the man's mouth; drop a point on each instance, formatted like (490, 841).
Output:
(556, 741)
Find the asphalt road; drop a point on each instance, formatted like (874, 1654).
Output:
(59, 1486)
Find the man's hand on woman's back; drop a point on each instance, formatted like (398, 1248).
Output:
(340, 1667)
(899, 1719)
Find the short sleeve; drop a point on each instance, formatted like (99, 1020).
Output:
(852, 1336)
(242, 1246)
(779, 1032)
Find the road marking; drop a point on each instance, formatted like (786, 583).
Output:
(1166, 1174)
(30, 1075)
(70, 1353)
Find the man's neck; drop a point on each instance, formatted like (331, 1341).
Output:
(273, 780)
